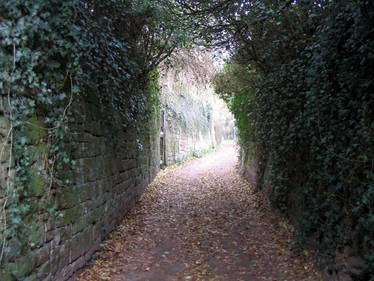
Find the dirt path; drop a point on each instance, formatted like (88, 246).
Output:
(200, 221)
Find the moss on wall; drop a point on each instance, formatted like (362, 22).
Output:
(114, 165)
(35, 131)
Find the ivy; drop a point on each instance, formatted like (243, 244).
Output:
(38, 62)
(301, 91)
(53, 54)
(122, 43)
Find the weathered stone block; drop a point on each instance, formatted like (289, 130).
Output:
(129, 164)
(67, 197)
(69, 270)
(50, 224)
(4, 128)
(78, 151)
(49, 235)
(64, 254)
(42, 255)
(77, 264)
(134, 172)
(343, 276)
(106, 166)
(60, 257)
(82, 136)
(122, 176)
(23, 266)
(88, 149)
(356, 265)
(32, 277)
(68, 216)
(85, 192)
(57, 237)
(81, 224)
(88, 206)
(93, 127)
(120, 188)
(90, 168)
(80, 243)
(105, 185)
(44, 271)
(102, 199)
(96, 231)
(96, 214)
(37, 234)
(65, 232)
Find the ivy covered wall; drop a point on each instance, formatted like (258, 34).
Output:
(112, 167)
(79, 122)
(194, 118)
(301, 90)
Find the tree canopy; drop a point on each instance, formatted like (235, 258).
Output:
(299, 82)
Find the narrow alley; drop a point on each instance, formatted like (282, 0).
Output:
(201, 221)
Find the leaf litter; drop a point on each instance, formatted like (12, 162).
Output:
(201, 221)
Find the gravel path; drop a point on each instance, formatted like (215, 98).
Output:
(201, 221)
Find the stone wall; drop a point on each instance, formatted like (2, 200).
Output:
(194, 118)
(114, 165)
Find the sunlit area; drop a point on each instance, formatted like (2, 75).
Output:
(194, 119)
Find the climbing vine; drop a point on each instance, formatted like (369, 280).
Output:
(52, 54)
(301, 91)
(303, 73)
(39, 60)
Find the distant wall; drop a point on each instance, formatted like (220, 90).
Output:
(194, 118)
(113, 167)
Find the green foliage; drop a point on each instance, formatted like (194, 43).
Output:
(122, 42)
(300, 85)
(236, 86)
(308, 108)
(153, 95)
(198, 153)
(38, 58)
(51, 54)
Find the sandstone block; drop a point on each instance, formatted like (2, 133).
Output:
(67, 197)
(32, 277)
(37, 234)
(42, 255)
(69, 216)
(44, 271)
(80, 224)
(22, 267)
(80, 243)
